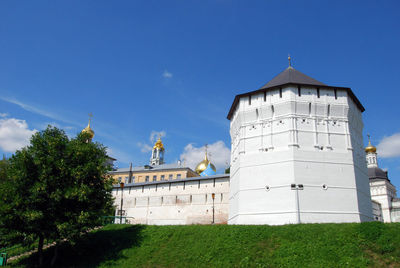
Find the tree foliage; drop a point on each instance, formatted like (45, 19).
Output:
(57, 188)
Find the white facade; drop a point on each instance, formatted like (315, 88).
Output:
(383, 191)
(298, 158)
(186, 201)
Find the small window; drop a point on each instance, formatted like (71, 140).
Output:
(154, 178)
(249, 99)
(147, 178)
(133, 179)
(272, 110)
(309, 109)
(257, 114)
(299, 90)
(280, 93)
(178, 176)
(170, 177)
(318, 94)
(119, 179)
(329, 110)
(335, 91)
(163, 177)
(126, 179)
(265, 95)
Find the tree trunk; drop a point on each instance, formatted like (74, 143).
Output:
(53, 260)
(40, 249)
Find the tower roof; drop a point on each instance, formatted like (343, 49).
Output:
(291, 76)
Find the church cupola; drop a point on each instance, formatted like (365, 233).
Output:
(88, 129)
(205, 167)
(372, 159)
(157, 154)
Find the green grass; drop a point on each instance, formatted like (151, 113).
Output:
(313, 245)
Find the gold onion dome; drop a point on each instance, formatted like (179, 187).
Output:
(159, 144)
(370, 148)
(88, 130)
(203, 165)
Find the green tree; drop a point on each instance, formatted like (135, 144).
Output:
(57, 189)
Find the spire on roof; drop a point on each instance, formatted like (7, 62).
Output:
(289, 58)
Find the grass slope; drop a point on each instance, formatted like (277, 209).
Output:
(307, 245)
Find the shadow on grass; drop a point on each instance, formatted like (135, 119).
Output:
(92, 249)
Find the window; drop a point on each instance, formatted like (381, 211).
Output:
(147, 179)
(257, 114)
(335, 91)
(329, 110)
(154, 178)
(299, 90)
(163, 177)
(250, 100)
(272, 110)
(126, 179)
(318, 94)
(280, 93)
(170, 177)
(119, 179)
(265, 95)
(309, 109)
(133, 179)
(178, 176)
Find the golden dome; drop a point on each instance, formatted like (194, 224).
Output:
(370, 148)
(88, 130)
(159, 144)
(203, 165)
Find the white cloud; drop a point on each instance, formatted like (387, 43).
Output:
(389, 146)
(167, 74)
(14, 134)
(3, 114)
(218, 154)
(155, 134)
(144, 147)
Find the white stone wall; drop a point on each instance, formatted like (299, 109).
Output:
(383, 192)
(317, 142)
(187, 201)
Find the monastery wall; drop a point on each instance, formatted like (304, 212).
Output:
(187, 201)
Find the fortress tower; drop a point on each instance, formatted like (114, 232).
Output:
(297, 154)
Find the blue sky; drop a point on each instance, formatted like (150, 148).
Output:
(174, 67)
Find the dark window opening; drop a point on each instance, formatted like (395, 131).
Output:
(318, 95)
(299, 90)
(280, 93)
(250, 100)
(335, 94)
(265, 95)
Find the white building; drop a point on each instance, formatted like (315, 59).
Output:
(383, 193)
(297, 154)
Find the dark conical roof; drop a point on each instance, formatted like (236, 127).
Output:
(292, 76)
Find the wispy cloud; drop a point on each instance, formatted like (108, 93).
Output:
(390, 146)
(167, 74)
(36, 110)
(3, 114)
(14, 134)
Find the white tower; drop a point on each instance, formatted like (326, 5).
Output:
(157, 154)
(297, 154)
(382, 190)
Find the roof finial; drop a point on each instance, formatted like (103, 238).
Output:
(369, 139)
(90, 118)
(206, 147)
(289, 59)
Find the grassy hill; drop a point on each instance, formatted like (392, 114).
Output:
(313, 245)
